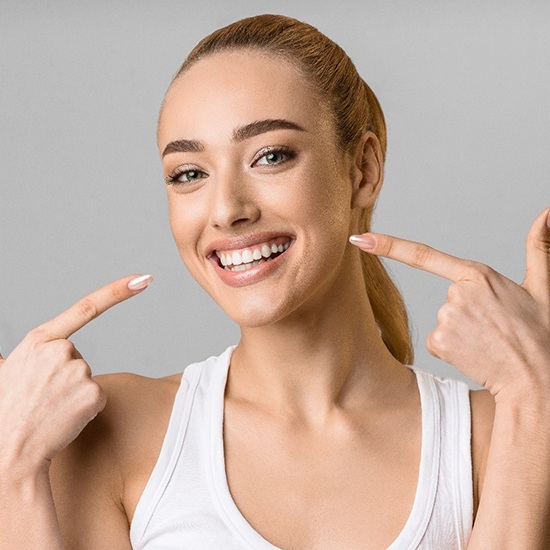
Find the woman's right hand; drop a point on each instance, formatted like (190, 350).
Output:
(47, 394)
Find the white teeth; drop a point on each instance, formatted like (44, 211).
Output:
(239, 261)
(244, 267)
(247, 256)
(236, 258)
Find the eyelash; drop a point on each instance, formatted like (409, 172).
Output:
(173, 178)
(287, 153)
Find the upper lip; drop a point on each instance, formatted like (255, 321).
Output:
(244, 241)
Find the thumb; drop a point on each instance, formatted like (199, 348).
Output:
(537, 275)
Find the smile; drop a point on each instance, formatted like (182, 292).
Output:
(247, 258)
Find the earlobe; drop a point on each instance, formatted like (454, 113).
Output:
(368, 173)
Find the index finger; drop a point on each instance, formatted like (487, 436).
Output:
(93, 305)
(418, 255)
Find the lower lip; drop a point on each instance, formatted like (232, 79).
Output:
(251, 275)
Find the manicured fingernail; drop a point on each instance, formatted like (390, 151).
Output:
(139, 283)
(363, 241)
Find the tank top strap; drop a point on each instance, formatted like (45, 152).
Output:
(450, 509)
(169, 453)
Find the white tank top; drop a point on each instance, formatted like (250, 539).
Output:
(186, 503)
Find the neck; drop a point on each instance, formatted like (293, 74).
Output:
(328, 355)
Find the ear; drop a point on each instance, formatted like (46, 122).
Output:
(367, 171)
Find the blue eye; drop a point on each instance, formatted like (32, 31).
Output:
(182, 175)
(274, 156)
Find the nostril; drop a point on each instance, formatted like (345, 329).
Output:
(241, 221)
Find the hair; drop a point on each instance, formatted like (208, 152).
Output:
(354, 109)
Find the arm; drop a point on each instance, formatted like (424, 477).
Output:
(514, 510)
(73, 504)
(47, 397)
(27, 517)
(88, 486)
(498, 334)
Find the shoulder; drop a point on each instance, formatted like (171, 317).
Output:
(482, 406)
(135, 405)
(131, 397)
(113, 454)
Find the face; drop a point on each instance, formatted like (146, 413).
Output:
(259, 195)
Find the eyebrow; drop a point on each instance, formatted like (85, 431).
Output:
(262, 126)
(183, 146)
(239, 134)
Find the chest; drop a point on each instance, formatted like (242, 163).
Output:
(341, 490)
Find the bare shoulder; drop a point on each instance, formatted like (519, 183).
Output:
(102, 473)
(482, 406)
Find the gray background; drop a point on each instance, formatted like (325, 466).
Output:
(465, 87)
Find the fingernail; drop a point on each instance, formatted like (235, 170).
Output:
(363, 241)
(548, 220)
(139, 283)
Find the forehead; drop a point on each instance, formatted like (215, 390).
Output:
(227, 90)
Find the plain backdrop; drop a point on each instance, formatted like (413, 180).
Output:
(465, 87)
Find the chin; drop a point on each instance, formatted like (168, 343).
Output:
(256, 312)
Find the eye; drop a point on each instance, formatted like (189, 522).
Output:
(273, 156)
(184, 174)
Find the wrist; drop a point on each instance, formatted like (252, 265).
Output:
(522, 425)
(19, 471)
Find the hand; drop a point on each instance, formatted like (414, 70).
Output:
(493, 330)
(47, 395)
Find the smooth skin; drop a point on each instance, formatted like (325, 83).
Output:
(343, 425)
(498, 334)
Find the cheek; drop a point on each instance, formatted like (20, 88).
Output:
(184, 224)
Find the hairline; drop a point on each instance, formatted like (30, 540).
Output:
(307, 81)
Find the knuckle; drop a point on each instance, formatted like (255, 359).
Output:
(436, 342)
(95, 398)
(481, 272)
(454, 293)
(388, 247)
(87, 308)
(64, 349)
(421, 255)
(82, 369)
(542, 243)
(95, 392)
(36, 336)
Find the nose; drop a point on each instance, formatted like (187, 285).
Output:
(233, 202)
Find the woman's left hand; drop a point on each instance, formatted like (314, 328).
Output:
(493, 330)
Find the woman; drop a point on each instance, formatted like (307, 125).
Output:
(312, 432)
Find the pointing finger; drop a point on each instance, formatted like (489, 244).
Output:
(418, 255)
(93, 305)
(537, 276)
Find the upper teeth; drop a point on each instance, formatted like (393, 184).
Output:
(249, 255)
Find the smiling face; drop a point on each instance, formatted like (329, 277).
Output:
(259, 194)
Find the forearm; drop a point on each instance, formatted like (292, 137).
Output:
(27, 513)
(514, 509)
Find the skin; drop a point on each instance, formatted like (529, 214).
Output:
(344, 422)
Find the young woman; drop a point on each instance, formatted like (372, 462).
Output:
(312, 432)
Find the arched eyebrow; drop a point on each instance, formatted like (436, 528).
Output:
(262, 126)
(239, 134)
(183, 146)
